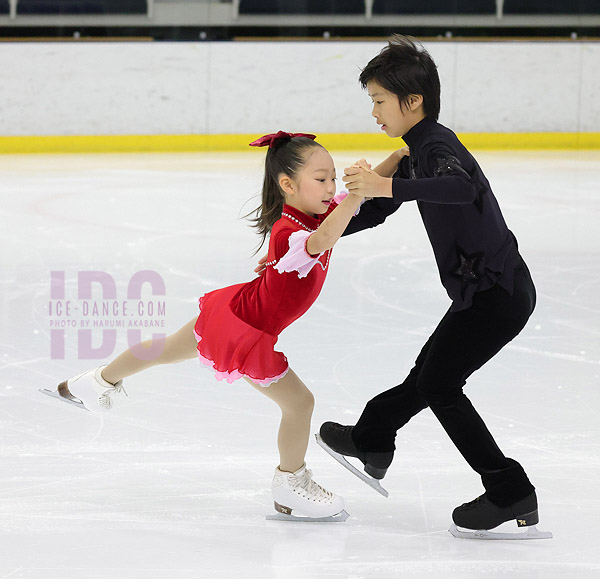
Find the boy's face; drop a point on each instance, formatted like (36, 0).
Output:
(394, 119)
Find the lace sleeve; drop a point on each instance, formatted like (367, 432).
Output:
(297, 258)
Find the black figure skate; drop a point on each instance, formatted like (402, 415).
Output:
(479, 516)
(337, 441)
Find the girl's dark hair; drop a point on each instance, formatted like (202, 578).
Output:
(287, 156)
(404, 67)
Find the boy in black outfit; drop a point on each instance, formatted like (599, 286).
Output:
(480, 267)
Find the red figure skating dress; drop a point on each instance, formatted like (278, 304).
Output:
(238, 325)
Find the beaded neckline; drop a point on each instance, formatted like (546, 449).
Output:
(307, 222)
(295, 220)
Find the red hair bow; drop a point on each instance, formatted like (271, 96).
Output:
(272, 139)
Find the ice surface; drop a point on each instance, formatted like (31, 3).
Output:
(175, 482)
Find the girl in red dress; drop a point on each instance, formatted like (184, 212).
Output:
(237, 327)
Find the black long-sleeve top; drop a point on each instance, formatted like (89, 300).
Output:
(473, 247)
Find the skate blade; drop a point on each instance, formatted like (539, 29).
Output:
(339, 518)
(372, 482)
(55, 394)
(530, 533)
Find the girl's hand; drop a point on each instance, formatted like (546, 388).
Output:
(260, 268)
(403, 152)
(366, 183)
(362, 163)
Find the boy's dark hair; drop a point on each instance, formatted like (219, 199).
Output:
(287, 156)
(404, 68)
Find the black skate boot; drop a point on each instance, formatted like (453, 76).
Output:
(482, 514)
(339, 439)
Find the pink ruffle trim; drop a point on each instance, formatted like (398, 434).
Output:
(342, 195)
(339, 197)
(236, 374)
(297, 258)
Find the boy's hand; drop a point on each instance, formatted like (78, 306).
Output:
(366, 183)
(260, 268)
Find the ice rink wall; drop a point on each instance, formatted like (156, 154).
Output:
(211, 95)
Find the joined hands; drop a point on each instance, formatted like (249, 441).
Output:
(362, 180)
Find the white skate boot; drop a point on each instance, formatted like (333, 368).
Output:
(296, 492)
(88, 390)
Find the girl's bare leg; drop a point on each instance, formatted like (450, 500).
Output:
(291, 395)
(296, 403)
(177, 347)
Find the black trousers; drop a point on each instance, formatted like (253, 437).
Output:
(462, 343)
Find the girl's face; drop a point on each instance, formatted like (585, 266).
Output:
(394, 119)
(313, 188)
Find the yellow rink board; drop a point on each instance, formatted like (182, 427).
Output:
(334, 142)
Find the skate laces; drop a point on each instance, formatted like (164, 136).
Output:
(105, 400)
(314, 490)
(472, 504)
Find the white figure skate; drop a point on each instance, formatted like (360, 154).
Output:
(88, 391)
(296, 492)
